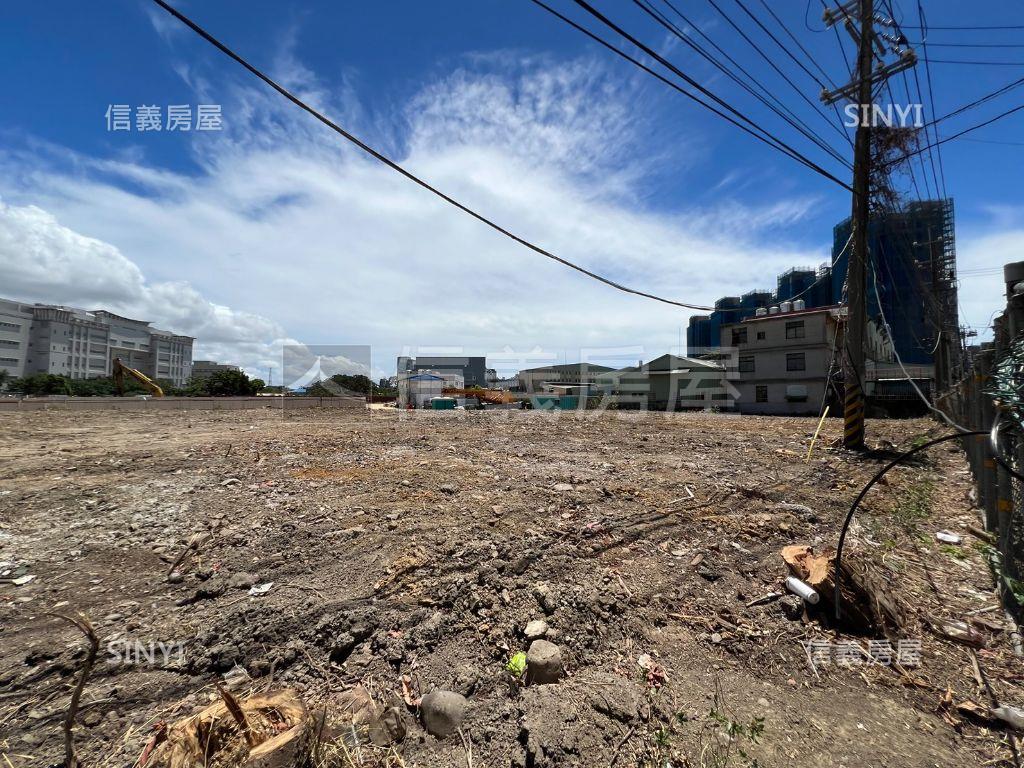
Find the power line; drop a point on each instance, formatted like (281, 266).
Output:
(776, 40)
(1003, 143)
(977, 102)
(767, 137)
(973, 128)
(773, 65)
(971, 45)
(931, 97)
(792, 55)
(1002, 26)
(796, 40)
(976, 63)
(398, 168)
(794, 121)
(735, 63)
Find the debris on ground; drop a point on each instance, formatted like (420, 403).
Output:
(516, 588)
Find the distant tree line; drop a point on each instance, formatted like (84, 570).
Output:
(217, 384)
(357, 385)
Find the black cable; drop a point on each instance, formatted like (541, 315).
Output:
(1008, 26)
(839, 37)
(973, 128)
(407, 174)
(977, 102)
(993, 448)
(778, 42)
(835, 106)
(796, 40)
(931, 92)
(795, 122)
(972, 45)
(836, 596)
(772, 140)
(773, 65)
(1003, 143)
(975, 63)
(692, 24)
(934, 150)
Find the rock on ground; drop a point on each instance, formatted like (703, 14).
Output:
(544, 662)
(443, 712)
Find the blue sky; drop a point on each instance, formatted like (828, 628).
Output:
(273, 231)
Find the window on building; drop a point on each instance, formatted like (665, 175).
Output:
(11, 326)
(746, 363)
(795, 330)
(795, 361)
(739, 336)
(761, 393)
(760, 335)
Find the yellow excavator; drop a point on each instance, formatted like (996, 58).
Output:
(120, 369)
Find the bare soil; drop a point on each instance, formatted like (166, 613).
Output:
(409, 553)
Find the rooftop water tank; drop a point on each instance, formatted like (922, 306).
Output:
(786, 306)
(760, 312)
(799, 304)
(773, 310)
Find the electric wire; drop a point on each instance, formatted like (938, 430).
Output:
(797, 42)
(837, 594)
(407, 174)
(835, 106)
(779, 43)
(978, 102)
(794, 120)
(969, 28)
(815, 107)
(931, 91)
(964, 132)
(973, 62)
(888, 335)
(766, 138)
(972, 45)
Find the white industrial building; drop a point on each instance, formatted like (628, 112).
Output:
(418, 388)
(82, 344)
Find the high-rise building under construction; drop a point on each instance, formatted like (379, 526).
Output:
(913, 259)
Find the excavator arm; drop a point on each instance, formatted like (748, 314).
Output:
(120, 370)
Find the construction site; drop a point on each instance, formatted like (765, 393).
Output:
(553, 535)
(492, 588)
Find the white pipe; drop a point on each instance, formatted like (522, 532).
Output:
(802, 589)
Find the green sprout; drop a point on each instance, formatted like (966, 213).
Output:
(517, 664)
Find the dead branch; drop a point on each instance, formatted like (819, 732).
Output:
(239, 716)
(83, 625)
(190, 548)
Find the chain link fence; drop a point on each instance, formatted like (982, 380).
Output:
(991, 398)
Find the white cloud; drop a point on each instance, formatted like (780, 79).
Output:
(285, 221)
(982, 294)
(47, 262)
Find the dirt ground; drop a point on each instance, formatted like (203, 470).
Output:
(409, 553)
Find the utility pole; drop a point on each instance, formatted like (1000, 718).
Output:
(856, 275)
(868, 47)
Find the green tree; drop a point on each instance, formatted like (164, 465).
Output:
(358, 384)
(42, 384)
(223, 384)
(258, 385)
